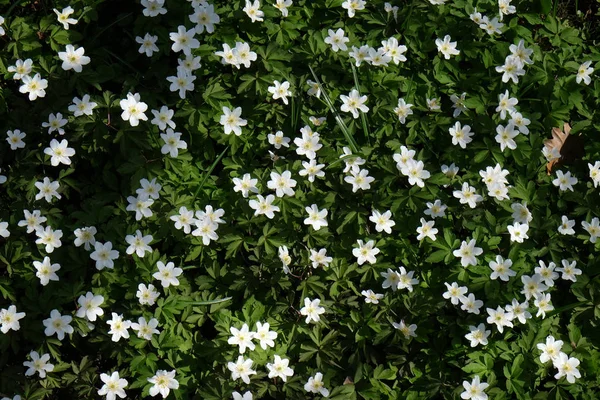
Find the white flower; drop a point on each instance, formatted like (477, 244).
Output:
(184, 219)
(518, 232)
(167, 274)
(547, 273)
(282, 6)
(312, 310)
(592, 228)
(499, 317)
(242, 368)
(9, 319)
(595, 172)
(455, 293)
(59, 152)
(308, 144)
(82, 107)
(63, 16)
(458, 103)
(33, 220)
(478, 335)
(118, 327)
(371, 297)
(426, 230)
(567, 367)
(264, 206)
(359, 54)
(461, 135)
(470, 304)
(501, 269)
(55, 123)
(282, 184)
(189, 64)
(242, 338)
(149, 189)
(89, 306)
(113, 386)
(183, 40)
(544, 303)
(46, 271)
(566, 226)
(138, 244)
(532, 285)
(319, 258)
(133, 109)
(285, 258)
(468, 253)
(153, 8)
(446, 47)
(48, 189)
(243, 55)
(141, 206)
(394, 50)
(433, 104)
(403, 110)
(183, 83)
(265, 336)
(49, 237)
(569, 271)
(406, 280)
(564, 181)
(337, 40)
(491, 26)
(550, 350)
(353, 103)
(173, 143)
(315, 88)
(315, 385)
(316, 217)
(519, 122)
(252, 10)
(231, 120)
(35, 86)
(278, 140)
(506, 8)
(205, 17)
(521, 213)
(163, 118)
(21, 68)
(279, 368)
(245, 185)
(4, 232)
(280, 91)
(505, 136)
(38, 364)
(104, 255)
(144, 329)
(506, 104)
(365, 252)
(353, 5)
(147, 295)
(312, 170)
(521, 53)
(73, 59)
(511, 70)
(359, 179)
(467, 195)
(383, 222)
(15, 139)
(248, 394)
(474, 390)
(407, 330)
(163, 382)
(519, 310)
(436, 209)
(583, 73)
(58, 324)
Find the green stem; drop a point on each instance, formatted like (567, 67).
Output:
(210, 170)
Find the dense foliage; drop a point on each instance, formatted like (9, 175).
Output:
(373, 234)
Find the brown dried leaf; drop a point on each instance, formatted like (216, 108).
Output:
(570, 147)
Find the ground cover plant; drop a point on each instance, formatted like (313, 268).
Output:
(350, 199)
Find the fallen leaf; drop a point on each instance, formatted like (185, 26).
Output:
(570, 147)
